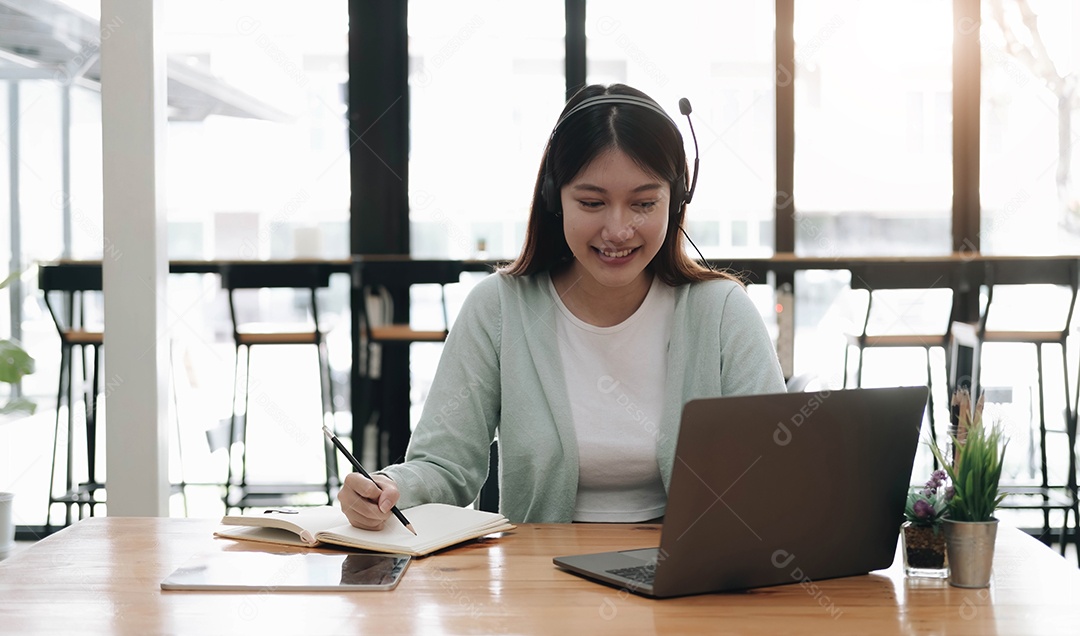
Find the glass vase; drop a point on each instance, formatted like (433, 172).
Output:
(924, 551)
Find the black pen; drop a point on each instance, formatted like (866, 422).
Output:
(360, 469)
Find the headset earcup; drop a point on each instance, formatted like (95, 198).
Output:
(551, 196)
(678, 197)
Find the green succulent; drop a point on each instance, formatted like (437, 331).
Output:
(975, 471)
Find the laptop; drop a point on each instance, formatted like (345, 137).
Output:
(774, 489)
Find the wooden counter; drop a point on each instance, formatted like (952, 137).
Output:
(102, 575)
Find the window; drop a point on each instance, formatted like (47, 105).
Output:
(1030, 190)
(284, 165)
(873, 172)
(486, 86)
(257, 164)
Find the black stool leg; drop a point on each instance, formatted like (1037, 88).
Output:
(369, 409)
(232, 431)
(64, 353)
(930, 403)
(326, 394)
(1042, 443)
(71, 438)
(247, 410)
(394, 418)
(847, 352)
(91, 429)
(1070, 482)
(179, 433)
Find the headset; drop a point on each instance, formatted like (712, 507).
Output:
(550, 192)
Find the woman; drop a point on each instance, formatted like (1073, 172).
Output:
(582, 352)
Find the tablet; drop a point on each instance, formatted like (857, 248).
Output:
(289, 572)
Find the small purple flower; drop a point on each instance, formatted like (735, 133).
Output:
(937, 478)
(928, 505)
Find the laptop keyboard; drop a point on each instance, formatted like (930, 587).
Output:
(642, 574)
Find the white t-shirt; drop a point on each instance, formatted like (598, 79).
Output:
(615, 378)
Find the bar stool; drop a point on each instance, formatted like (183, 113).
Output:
(309, 277)
(66, 289)
(385, 330)
(907, 276)
(1044, 495)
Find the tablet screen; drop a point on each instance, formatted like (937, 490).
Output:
(288, 571)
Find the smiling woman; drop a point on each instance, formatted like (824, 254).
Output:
(584, 350)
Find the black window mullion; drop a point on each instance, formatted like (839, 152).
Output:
(378, 117)
(379, 126)
(967, 84)
(784, 220)
(575, 46)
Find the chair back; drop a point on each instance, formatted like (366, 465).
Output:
(299, 275)
(375, 275)
(278, 274)
(912, 287)
(1029, 283)
(900, 274)
(64, 286)
(372, 271)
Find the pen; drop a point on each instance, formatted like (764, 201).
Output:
(360, 469)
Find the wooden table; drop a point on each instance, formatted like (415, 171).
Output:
(102, 576)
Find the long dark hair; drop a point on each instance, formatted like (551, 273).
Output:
(649, 139)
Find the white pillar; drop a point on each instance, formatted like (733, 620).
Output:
(133, 124)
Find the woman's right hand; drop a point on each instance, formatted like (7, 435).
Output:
(364, 503)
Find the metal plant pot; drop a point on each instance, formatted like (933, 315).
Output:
(971, 551)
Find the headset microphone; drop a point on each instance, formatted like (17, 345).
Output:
(685, 109)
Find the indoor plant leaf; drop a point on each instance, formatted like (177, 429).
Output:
(18, 405)
(14, 362)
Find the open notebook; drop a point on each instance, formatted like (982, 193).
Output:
(437, 526)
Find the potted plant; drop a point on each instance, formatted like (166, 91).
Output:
(975, 472)
(14, 364)
(922, 533)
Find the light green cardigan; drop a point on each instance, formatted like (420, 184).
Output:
(501, 371)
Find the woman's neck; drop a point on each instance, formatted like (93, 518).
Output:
(597, 304)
